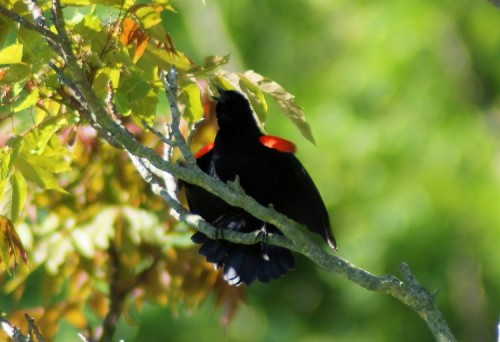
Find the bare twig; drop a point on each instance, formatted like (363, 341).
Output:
(166, 140)
(169, 80)
(17, 336)
(193, 129)
(33, 329)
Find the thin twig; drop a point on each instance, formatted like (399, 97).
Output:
(33, 329)
(169, 80)
(193, 130)
(159, 135)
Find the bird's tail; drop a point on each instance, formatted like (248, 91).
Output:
(245, 263)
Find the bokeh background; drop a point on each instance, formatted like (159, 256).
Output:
(403, 99)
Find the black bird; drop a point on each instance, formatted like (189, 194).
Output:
(269, 172)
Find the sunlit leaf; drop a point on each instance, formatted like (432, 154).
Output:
(76, 2)
(18, 195)
(129, 31)
(191, 98)
(223, 82)
(91, 30)
(11, 54)
(29, 101)
(165, 59)
(32, 172)
(8, 156)
(140, 48)
(5, 157)
(255, 95)
(148, 15)
(285, 101)
(103, 78)
(132, 33)
(211, 63)
(36, 52)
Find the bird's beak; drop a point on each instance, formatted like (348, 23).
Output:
(221, 96)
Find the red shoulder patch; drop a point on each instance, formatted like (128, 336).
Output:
(204, 150)
(278, 143)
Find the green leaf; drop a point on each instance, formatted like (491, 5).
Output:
(148, 16)
(136, 96)
(38, 138)
(191, 98)
(29, 101)
(43, 155)
(223, 82)
(102, 79)
(165, 59)
(91, 30)
(36, 51)
(12, 54)
(8, 156)
(19, 193)
(210, 64)
(284, 100)
(5, 157)
(256, 97)
(36, 174)
(145, 107)
(16, 74)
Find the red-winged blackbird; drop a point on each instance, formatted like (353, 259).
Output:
(269, 172)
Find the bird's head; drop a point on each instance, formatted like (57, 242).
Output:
(234, 111)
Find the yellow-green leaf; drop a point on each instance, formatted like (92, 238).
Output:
(102, 79)
(19, 193)
(255, 95)
(36, 174)
(191, 97)
(8, 156)
(75, 2)
(165, 59)
(28, 102)
(148, 16)
(12, 54)
(285, 101)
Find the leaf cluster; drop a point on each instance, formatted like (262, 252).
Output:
(89, 232)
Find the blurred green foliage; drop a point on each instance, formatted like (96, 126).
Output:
(403, 99)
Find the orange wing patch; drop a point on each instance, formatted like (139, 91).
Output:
(278, 143)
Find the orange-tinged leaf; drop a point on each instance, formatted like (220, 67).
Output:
(142, 42)
(10, 244)
(129, 29)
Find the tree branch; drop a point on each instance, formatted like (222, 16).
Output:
(410, 291)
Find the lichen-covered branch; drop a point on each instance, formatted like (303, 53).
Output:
(408, 290)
